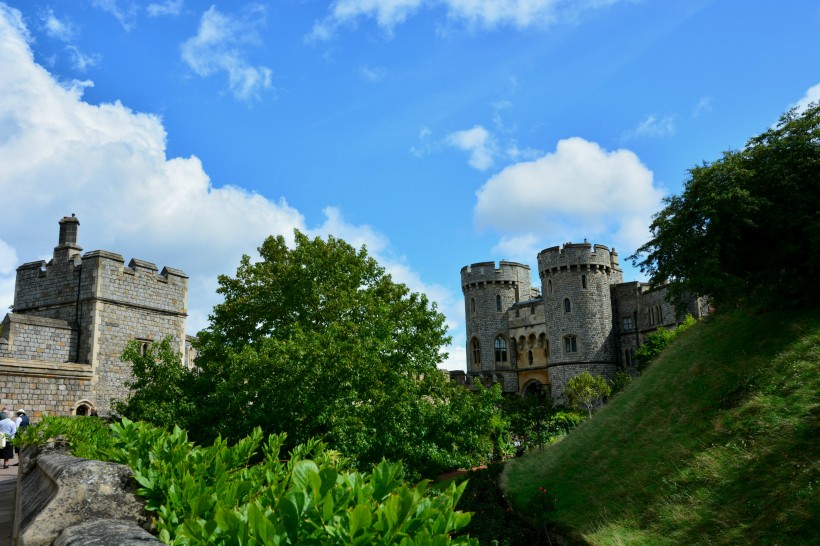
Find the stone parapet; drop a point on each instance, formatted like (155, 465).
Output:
(66, 500)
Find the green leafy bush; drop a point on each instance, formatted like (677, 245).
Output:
(620, 382)
(237, 494)
(657, 341)
(587, 391)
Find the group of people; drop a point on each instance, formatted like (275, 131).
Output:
(9, 428)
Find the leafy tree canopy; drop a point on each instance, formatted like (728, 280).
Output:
(748, 225)
(317, 341)
(587, 391)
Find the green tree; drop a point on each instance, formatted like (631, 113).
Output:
(748, 225)
(587, 391)
(159, 393)
(318, 342)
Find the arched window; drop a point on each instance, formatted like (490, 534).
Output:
(584, 282)
(498, 303)
(500, 349)
(472, 306)
(570, 344)
(567, 306)
(475, 347)
(529, 357)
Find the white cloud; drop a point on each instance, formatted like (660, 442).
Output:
(579, 190)
(518, 248)
(125, 12)
(108, 165)
(703, 106)
(55, 28)
(218, 47)
(169, 7)
(81, 61)
(372, 74)
(653, 127)
(388, 14)
(812, 95)
(478, 142)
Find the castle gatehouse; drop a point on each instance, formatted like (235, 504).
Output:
(582, 317)
(72, 317)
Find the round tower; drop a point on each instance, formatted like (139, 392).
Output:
(575, 282)
(489, 291)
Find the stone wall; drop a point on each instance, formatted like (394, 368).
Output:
(561, 374)
(36, 338)
(63, 501)
(44, 388)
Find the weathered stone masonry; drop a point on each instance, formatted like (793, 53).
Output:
(585, 318)
(72, 317)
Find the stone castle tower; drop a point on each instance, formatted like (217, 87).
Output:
(72, 317)
(584, 319)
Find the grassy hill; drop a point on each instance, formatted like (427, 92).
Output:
(717, 443)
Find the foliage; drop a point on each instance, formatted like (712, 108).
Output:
(746, 226)
(158, 393)
(659, 340)
(317, 341)
(543, 502)
(715, 444)
(535, 421)
(215, 495)
(493, 522)
(620, 382)
(86, 437)
(587, 391)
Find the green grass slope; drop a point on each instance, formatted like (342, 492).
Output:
(717, 443)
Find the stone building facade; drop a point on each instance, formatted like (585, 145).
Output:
(584, 317)
(72, 316)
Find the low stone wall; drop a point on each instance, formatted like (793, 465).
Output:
(67, 501)
(44, 388)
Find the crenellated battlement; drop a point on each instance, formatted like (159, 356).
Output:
(576, 256)
(99, 274)
(483, 273)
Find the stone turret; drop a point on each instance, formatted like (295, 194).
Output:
(489, 292)
(576, 281)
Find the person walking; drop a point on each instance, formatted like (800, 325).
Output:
(22, 422)
(8, 429)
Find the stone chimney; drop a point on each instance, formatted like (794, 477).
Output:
(67, 246)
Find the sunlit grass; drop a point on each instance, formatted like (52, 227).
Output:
(717, 443)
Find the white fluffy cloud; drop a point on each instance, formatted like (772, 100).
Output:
(56, 28)
(484, 13)
(579, 190)
(218, 47)
(812, 95)
(108, 164)
(478, 142)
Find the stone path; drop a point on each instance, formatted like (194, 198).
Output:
(8, 493)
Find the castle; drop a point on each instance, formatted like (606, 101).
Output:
(583, 318)
(71, 319)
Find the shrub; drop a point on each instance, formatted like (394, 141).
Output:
(657, 341)
(621, 380)
(217, 495)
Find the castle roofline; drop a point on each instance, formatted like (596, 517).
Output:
(501, 265)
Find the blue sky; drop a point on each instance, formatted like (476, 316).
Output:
(437, 132)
